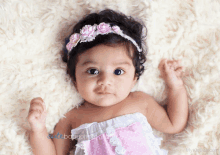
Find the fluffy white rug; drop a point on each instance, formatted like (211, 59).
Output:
(32, 34)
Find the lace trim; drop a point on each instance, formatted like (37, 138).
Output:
(82, 147)
(152, 141)
(115, 123)
(115, 141)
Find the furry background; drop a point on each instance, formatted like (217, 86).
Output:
(32, 34)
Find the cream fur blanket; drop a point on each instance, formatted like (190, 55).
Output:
(32, 34)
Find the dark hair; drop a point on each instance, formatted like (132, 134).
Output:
(129, 27)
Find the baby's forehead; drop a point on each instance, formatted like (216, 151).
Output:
(105, 53)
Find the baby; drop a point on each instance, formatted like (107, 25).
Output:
(105, 56)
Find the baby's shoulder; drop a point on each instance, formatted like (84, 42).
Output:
(75, 117)
(140, 97)
(141, 101)
(70, 117)
(137, 102)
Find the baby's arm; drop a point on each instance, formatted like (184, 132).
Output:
(177, 107)
(173, 118)
(41, 142)
(156, 115)
(63, 127)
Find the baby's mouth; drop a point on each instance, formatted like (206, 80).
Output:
(104, 93)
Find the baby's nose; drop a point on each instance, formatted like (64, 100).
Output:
(105, 78)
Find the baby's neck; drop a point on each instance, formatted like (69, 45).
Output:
(87, 105)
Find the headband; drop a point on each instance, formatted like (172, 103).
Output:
(89, 32)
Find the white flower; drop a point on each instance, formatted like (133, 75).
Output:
(120, 150)
(110, 131)
(116, 29)
(88, 33)
(114, 141)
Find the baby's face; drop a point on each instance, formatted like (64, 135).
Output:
(105, 75)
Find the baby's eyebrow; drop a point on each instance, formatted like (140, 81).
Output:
(115, 63)
(88, 62)
(122, 63)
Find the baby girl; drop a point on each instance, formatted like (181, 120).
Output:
(105, 57)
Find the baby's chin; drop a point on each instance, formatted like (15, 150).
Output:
(105, 100)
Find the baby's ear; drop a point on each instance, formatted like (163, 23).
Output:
(135, 80)
(74, 83)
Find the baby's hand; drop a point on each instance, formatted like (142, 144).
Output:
(171, 72)
(37, 115)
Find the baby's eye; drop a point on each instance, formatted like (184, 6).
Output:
(91, 71)
(119, 71)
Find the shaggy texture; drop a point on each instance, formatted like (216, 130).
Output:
(32, 35)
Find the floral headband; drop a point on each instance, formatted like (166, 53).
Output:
(89, 32)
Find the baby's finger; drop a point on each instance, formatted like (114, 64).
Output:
(177, 63)
(36, 106)
(167, 68)
(160, 66)
(179, 71)
(33, 115)
(44, 116)
(44, 106)
(174, 65)
(36, 99)
(44, 113)
(38, 103)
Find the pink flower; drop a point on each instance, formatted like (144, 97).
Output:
(116, 29)
(74, 38)
(103, 28)
(69, 46)
(88, 31)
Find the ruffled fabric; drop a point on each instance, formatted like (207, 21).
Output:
(90, 134)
